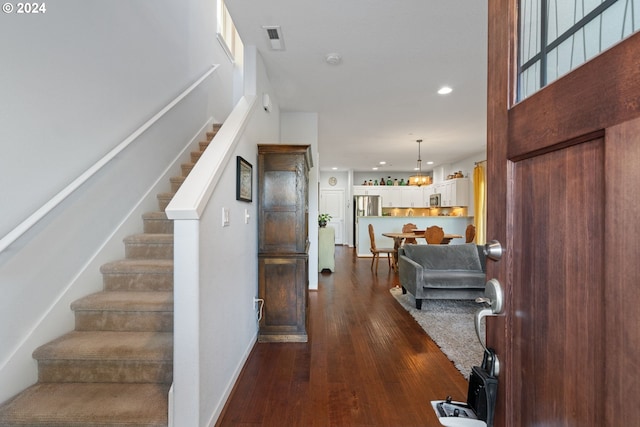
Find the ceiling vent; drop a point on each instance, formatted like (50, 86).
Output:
(274, 35)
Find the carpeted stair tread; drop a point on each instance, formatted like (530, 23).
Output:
(149, 246)
(150, 238)
(164, 199)
(125, 311)
(213, 132)
(88, 405)
(126, 301)
(108, 345)
(195, 156)
(186, 168)
(157, 215)
(176, 182)
(157, 222)
(138, 274)
(144, 266)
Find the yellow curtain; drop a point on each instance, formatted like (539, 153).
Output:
(480, 203)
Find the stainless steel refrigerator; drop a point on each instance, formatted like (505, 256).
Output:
(364, 206)
(367, 206)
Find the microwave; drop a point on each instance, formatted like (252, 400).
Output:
(435, 200)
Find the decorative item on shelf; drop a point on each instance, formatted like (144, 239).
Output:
(382, 181)
(323, 218)
(458, 175)
(389, 182)
(402, 181)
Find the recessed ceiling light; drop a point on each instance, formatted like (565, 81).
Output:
(334, 168)
(429, 163)
(444, 90)
(374, 168)
(383, 162)
(333, 59)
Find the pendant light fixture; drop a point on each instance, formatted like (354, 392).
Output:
(419, 179)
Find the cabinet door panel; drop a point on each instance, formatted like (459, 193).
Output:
(280, 190)
(283, 286)
(279, 231)
(281, 302)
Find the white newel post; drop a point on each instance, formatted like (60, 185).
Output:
(186, 324)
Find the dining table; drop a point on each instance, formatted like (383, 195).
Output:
(398, 238)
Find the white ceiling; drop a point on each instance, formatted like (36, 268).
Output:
(383, 96)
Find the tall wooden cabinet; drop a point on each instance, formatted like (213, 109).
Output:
(283, 243)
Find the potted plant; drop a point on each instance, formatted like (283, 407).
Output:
(323, 218)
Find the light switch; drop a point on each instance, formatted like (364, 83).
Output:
(225, 217)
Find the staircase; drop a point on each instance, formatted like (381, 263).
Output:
(116, 367)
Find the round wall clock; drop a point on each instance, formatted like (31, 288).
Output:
(333, 180)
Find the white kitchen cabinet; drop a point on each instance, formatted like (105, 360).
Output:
(454, 192)
(427, 191)
(444, 189)
(412, 197)
(366, 190)
(391, 197)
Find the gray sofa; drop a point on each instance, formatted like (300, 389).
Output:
(442, 271)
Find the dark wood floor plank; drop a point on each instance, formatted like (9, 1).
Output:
(367, 362)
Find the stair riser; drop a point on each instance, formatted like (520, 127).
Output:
(105, 371)
(203, 145)
(148, 251)
(186, 168)
(195, 156)
(158, 226)
(138, 282)
(124, 321)
(163, 202)
(176, 183)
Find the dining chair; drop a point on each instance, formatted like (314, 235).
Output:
(470, 233)
(434, 235)
(408, 228)
(376, 251)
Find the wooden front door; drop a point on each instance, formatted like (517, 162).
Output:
(563, 184)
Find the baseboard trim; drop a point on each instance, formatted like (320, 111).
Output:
(231, 386)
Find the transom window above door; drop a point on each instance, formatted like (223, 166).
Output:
(557, 36)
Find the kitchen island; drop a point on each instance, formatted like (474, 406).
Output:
(393, 224)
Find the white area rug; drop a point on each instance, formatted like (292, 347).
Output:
(450, 324)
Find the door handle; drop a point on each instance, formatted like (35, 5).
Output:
(493, 250)
(494, 299)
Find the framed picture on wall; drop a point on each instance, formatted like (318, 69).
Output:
(244, 179)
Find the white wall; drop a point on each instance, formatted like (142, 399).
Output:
(229, 281)
(343, 183)
(302, 128)
(75, 82)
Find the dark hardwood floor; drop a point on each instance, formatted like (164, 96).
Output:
(367, 362)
